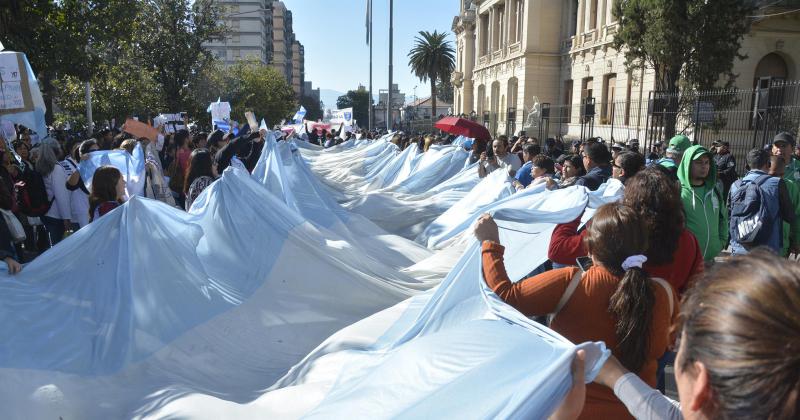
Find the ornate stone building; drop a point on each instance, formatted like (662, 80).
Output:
(511, 54)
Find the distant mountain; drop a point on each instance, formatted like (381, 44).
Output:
(329, 97)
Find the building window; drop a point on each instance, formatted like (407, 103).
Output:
(593, 15)
(501, 28)
(237, 54)
(586, 87)
(609, 89)
(236, 39)
(568, 100)
(484, 34)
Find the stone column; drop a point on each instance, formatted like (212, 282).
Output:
(587, 15)
(580, 19)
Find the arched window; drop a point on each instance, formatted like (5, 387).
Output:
(772, 65)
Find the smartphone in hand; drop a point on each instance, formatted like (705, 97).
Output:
(584, 263)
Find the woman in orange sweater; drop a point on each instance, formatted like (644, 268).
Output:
(613, 301)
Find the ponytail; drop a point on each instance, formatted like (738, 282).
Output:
(632, 307)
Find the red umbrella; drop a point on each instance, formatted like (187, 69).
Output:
(463, 127)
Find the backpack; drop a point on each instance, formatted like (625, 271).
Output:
(31, 194)
(748, 211)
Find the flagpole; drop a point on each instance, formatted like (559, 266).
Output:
(371, 111)
(391, 39)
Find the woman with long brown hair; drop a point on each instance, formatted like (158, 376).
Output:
(612, 301)
(202, 172)
(673, 253)
(108, 191)
(739, 353)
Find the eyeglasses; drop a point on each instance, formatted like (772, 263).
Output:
(614, 164)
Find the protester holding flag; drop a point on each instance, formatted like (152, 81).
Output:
(108, 191)
(202, 173)
(612, 300)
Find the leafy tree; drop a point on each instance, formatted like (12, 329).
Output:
(118, 91)
(204, 87)
(171, 43)
(445, 90)
(689, 43)
(68, 37)
(432, 58)
(253, 86)
(313, 108)
(359, 101)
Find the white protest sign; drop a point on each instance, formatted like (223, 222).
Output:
(342, 116)
(251, 120)
(11, 95)
(171, 122)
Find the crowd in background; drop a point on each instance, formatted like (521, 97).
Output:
(643, 267)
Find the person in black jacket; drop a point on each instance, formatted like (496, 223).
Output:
(246, 148)
(726, 165)
(596, 159)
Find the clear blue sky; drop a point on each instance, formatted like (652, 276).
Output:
(334, 36)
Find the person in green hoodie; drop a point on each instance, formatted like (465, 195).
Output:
(791, 231)
(706, 213)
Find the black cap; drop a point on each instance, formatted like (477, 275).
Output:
(784, 137)
(721, 143)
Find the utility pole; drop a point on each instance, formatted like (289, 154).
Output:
(391, 39)
(369, 41)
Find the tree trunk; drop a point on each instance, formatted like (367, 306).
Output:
(47, 89)
(668, 84)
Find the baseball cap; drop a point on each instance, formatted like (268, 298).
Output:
(679, 144)
(721, 143)
(702, 153)
(785, 137)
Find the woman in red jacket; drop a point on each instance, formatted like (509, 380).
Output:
(673, 253)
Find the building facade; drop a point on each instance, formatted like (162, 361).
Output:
(250, 32)
(298, 68)
(308, 90)
(515, 56)
(261, 30)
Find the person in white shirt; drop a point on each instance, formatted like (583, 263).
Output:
(78, 193)
(57, 220)
(501, 158)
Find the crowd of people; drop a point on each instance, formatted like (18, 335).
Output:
(648, 275)
(651, 275)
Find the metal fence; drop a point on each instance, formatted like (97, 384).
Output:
(745, 118)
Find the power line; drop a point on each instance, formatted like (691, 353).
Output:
(775, 14)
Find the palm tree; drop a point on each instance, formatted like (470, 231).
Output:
(432, 58)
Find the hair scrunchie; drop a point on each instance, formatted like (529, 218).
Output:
(633, 261)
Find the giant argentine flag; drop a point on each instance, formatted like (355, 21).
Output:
(151, 312)
(455, 352)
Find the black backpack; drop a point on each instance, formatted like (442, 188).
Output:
(748, 211)
(32, 194)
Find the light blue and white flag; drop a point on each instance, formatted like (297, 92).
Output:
(131, 167)
(299, 115)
